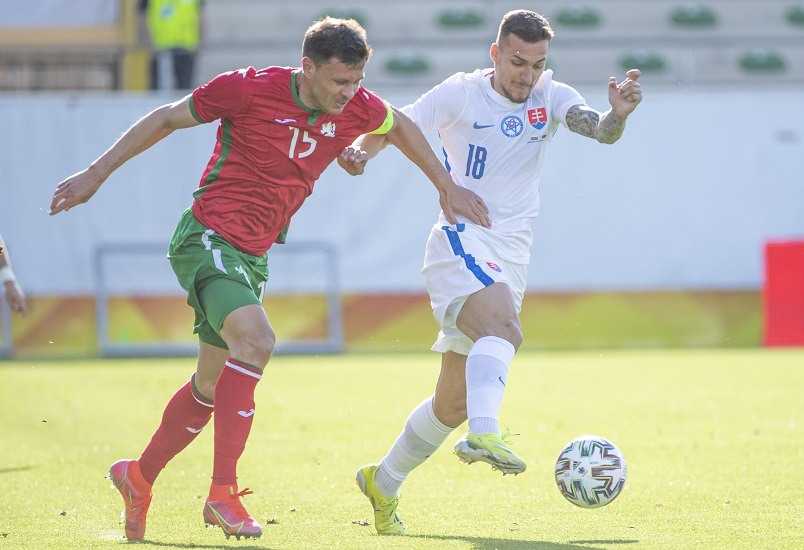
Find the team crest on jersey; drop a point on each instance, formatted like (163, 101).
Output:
(494, 266)
(512, 126)
(537, 117)
(328, 129)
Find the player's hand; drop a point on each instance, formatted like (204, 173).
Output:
(353, 160)
(459, 201)
(15, 297)
(75, 190)
(626, 95)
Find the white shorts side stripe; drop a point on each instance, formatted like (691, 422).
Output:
(216, 257)
(216, 253)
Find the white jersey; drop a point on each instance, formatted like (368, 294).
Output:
(495, 147)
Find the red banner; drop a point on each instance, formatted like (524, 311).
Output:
(783, 294)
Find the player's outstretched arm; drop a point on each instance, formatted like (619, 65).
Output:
(156, 125)
(14, 294)
(455, 200)
(608, 127)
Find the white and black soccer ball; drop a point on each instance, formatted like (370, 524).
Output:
(590, 471)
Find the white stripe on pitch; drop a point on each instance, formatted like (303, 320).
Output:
(240, 369)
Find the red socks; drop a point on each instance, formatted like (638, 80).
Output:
(234, 412)
(186, 414)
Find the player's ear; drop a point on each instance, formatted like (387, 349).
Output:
(494, 52)
(308, 67)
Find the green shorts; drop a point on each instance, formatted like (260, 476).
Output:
(218, 277)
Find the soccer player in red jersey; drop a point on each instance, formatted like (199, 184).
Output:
(279, 128)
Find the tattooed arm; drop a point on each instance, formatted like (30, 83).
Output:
(608, 127)
(604, 127)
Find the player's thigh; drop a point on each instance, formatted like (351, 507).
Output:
(490, 311)
(220, 296)
(451, 271)
(211, 360)
(234, 311)
(449, 401)
(218, 277)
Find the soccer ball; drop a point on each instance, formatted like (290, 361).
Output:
(590, 471)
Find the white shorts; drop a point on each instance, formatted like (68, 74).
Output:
(459, 261)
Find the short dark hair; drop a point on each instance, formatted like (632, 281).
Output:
(343, 39)
(527, 25)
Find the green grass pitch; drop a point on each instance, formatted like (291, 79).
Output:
(714, 442)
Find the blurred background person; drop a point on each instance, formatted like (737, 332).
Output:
(174, 28)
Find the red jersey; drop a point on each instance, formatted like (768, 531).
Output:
(270, 150)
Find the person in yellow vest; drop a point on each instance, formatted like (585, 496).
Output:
(174, 27)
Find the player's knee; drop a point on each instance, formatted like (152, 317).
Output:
(513, 333)
(206, 387)
(503, 326)
(506, 326)
(254, 346)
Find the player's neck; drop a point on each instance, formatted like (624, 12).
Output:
(497, 88)
(303, 90)
(494, 85)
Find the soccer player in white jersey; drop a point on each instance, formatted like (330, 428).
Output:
(495, 125)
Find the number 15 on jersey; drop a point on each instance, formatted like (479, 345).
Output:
(302, 152)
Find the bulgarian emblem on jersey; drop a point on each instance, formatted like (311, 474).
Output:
(512, 126)
(328, 129)
(537, 117)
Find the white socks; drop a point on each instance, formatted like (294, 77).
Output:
(422, 435)
(486, 376)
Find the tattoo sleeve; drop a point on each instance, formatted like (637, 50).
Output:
(605, 128)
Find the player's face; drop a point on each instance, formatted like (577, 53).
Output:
(334, 84)
(518, 65)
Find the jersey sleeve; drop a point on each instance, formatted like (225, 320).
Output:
(225, 96)
(440, 107)
(562, 98)
(379, 116)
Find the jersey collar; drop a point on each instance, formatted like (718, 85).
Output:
(313, 114)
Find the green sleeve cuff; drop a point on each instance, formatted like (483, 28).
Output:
(387, 124)
(194, 112)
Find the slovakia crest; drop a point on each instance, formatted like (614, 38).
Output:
(494, 266)
(328, 129)
(537, 117)
(512, 126)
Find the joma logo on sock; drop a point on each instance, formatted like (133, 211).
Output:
(246, 414)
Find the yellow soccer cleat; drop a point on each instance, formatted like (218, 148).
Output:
(386, 520)
(492, 449)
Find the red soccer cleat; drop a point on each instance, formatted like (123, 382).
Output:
(136, 493)
(223, 508)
